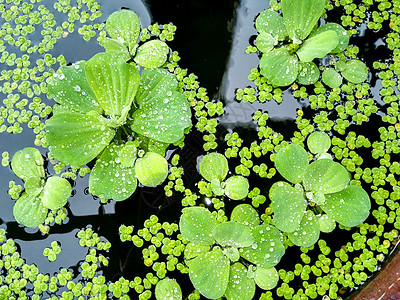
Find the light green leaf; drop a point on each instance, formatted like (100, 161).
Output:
(110, 179)
(213, 166)
(331, 78)
(308, 232)
(232, 253)
(326, 176)
(309, 73)
(27, 162)
(240, 287)
(216, 187)
(236, 187)
(29, 211)
(318, 46)
(197, 224)
(326, 224)
(117, 48)
(318, 142)
(209, 273)
(34, 185)
(56, 192)
(279, 67)
(291, 162)
(266, 279)
(69, 88)
(245, 214)
(168, 289)
(340, 66)
(271, 22)
(288, 205)
(128, 154)
(151, 145)
(193, 250)
(301, 16)
(233, 234)
(265, 42)
(349, 207)
(124, 26)
(114, 82)
(152, 54)
(356, 71)
(267, 249)
(151, 169)
(76, 139)
(163, 113)
(341, 34)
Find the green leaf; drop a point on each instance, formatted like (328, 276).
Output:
(341, 34)
(128, 154)
(326, 176)
(151, 145)
(56, 192)
(279, 67)
(318, 46)
(349, 207)
(318, 142)
(124, 26)
(301, 16)
(151, 169)
(266, 279)
(110, 179)
(356, 71)
(167, 289)
(216, 187)
(152, 54)
(240, 287)
(29, 211)
(245, 214)
(233, 234)
(326, 224)
(76, 139)
(27, 162)
(267, 249)
(271, 22)
(114, 82)
(291, 162)
(214, 166)
(288, 205)
(117, 48)
(209, 273)
(309, 73)
(69, 88)
(331, 78)
(197, 224)
(340, 66)
(163, 113)
(34, 185)
(265, 42)
(193, 250)
(308, 232)
(232, 253)
(236, 187)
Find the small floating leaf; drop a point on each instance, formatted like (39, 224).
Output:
(265, 42)
(197, 224)
(151, 169)
(232, 253)
(245, 214)
(326, 224)
(209, 273)
(168, 289)
(236, 187)
(117, 48)
(216, 187)
(291, 162)
(192, 250)
(308, 232)
(152, 54)
(240, 287)
(271, 22)
(309, 73)
(233, 234)
(55, 193)
(266, 279)
(27, 162)
(123, 25)
(318, 46)
(356, 71)
(331, 78)
(213, 166)
(341, 34)
(29, 211)
(128, 153)
(34, 185)
(318, 142)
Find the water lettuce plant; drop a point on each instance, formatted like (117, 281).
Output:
(41, 194)
(103, 103)
(290, 42)
(214, 168)
(322, 186)
(229, 258)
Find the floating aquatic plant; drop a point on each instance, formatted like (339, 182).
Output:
(40, 194)
(290, 43)
(323, 185)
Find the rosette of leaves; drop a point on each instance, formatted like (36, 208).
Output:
(124, 29)
(214, 168)
(229, 259)
(317, 194)
(289, 44)
(40, 194)
(103, 103)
